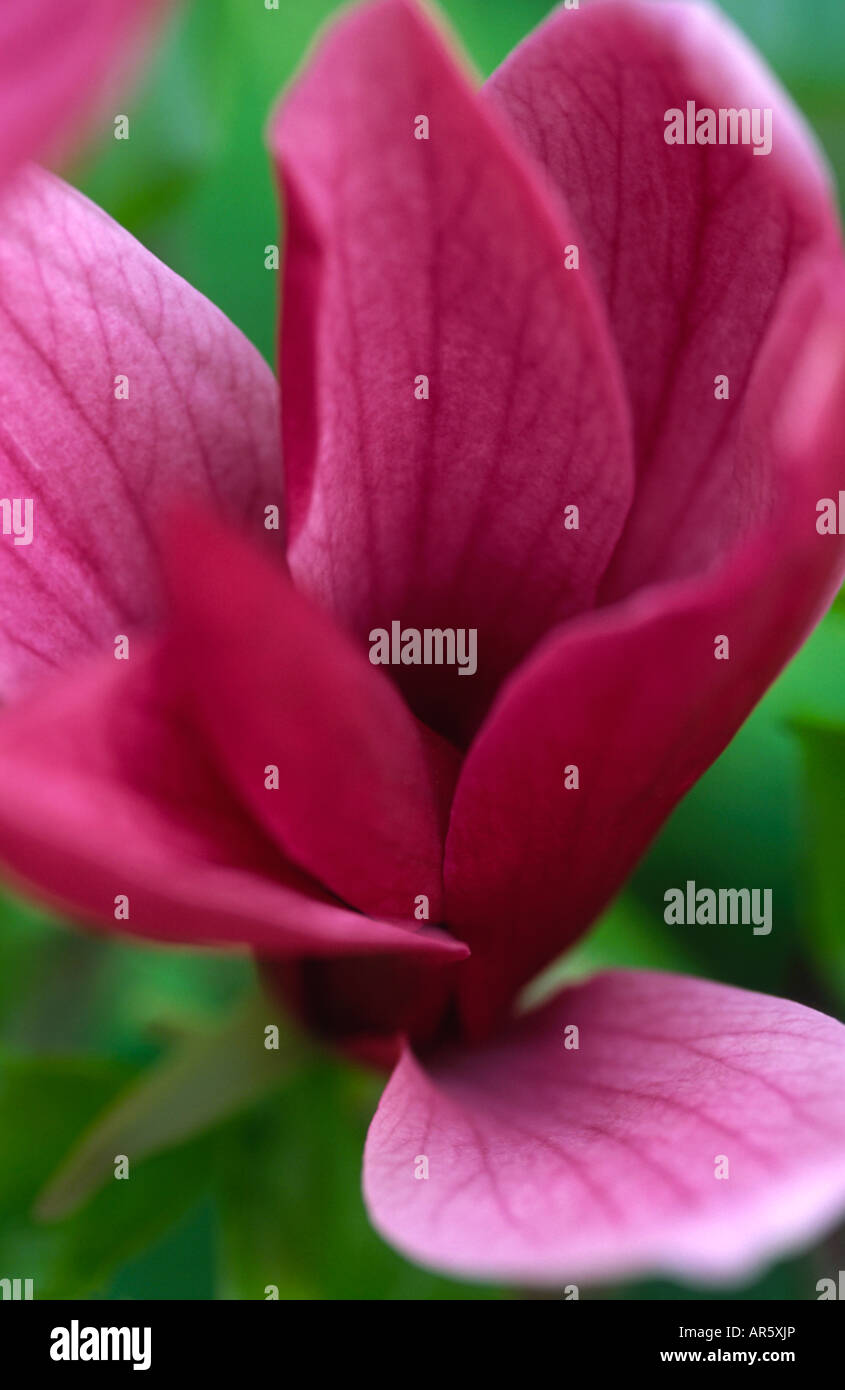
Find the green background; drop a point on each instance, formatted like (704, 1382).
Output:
(264, 1188)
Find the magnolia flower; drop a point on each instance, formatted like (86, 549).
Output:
(546, 377)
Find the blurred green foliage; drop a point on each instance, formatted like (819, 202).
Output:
(86, 1023)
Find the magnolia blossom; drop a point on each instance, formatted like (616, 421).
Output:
(548, 378)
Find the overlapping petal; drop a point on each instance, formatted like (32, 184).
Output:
(637, 1121)
(695, 247)
(639, 698)
(439, 258)
(120, 387)
(359, 791)
(112, 811)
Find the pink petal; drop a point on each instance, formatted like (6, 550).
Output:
(364, 790)
(550, 1165)
(107, 792)
(81, 303)
(442, 258)
(53, 58)
(634, 697)
(694, 247)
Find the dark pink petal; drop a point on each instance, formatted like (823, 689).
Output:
(441, 258)
(54, 57)
(694, 247)
(550, 1164)
(634, 697)
(107, 792)
(368, 1005)
(363, 790)
(82, 303)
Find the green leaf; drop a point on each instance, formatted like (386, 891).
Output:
(44, 1101)
(126, 1217)
(823, 750)
(201, 1083)
(180, 1264)
(289, 1196)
